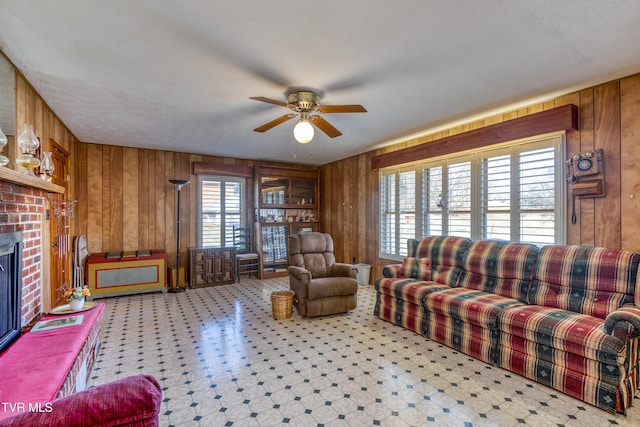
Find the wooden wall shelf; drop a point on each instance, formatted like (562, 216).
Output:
(16, 177)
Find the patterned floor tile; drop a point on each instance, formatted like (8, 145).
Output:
(222, 360)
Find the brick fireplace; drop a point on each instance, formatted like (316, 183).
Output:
(22, 208)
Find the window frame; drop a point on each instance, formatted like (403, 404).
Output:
(556, 141)
(223, 179)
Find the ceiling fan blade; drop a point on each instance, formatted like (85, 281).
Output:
(325, 126)
(329, 109)
(273, 123)
(271, 101)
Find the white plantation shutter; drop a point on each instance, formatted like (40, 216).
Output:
(211, 200)
(458, 199)
(511, 192)
(388, 214)
(538, 196)
(233, 209)
(220, 209)
(397, 211)
(407, 214)
(496, 200)
(432, 201)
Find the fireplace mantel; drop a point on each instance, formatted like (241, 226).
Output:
(11, 175)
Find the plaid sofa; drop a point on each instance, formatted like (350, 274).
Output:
(401, 292)
(564, 316)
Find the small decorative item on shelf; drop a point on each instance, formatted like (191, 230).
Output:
(76, 296)
(4, 160)
(28, 143)
(47, 166)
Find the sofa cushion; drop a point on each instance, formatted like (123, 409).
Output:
(131, 401)
(587, 280)
(591, 381)
(406, 289)
(468, 305)
(564, 330)
(446, 253)
(499, 267)
(325, 287)
(417, 268)
(404, 313)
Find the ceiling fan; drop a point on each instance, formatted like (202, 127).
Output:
(305, 103)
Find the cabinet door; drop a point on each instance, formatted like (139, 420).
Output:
(303, 192)
(275, 256)
(274, 191)
(198, 268)
(229, 265)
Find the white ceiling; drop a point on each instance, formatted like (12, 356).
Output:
(177, 74)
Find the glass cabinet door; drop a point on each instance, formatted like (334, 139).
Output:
(274, 248)
(274, 191)
(303, 191)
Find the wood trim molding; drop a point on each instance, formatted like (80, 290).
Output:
(21, 178)
(548, 121)
(202, 168)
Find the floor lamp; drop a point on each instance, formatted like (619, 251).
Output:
(176, 285)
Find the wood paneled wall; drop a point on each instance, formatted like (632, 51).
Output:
(126, 202)
(609, 119)
(31, 109)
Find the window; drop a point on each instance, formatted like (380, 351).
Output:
(388, 210)
(510, 192)
(222, 205)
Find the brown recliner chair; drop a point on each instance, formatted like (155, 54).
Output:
(322, 286)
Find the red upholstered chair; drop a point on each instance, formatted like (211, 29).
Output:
(131, 401)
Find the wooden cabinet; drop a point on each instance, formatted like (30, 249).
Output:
(211, 266)
(123, 273)
(287, 201)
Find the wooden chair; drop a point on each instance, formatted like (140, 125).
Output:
(247, 261)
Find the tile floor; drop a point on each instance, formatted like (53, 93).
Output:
(224, 361)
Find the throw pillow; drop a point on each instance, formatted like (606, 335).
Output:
(417, 268)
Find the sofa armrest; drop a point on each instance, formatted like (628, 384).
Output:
(392, 271)
(131, 401)
(340, 269)
(628, 313)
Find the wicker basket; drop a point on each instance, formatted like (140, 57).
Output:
(282, 304)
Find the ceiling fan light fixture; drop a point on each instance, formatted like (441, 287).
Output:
(303, 130)
(306, 104)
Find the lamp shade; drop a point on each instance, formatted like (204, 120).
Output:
(303, 131)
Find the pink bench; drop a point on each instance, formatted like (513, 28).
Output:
(47, 365)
